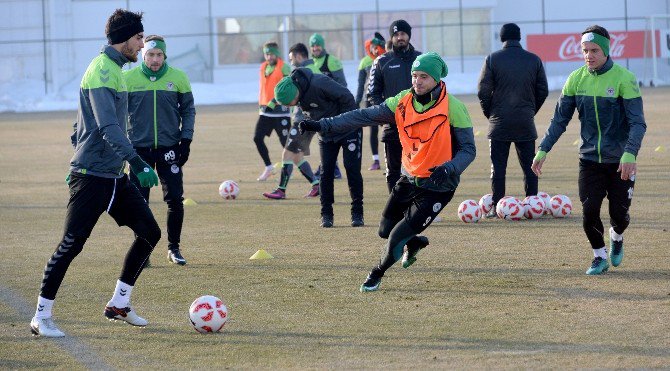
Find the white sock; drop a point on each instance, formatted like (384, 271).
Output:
(43, 307)
(601, 252)
(615, 236)
(375, 157)
(121, 296)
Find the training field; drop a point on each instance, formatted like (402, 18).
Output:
(495, 294)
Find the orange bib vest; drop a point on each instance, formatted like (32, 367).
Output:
(425, 136)
(268, 83)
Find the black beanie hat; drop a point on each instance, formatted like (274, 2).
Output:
(122, 25)
(510, 31)
(400, 25)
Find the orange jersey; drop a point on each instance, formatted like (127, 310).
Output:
(425, 136)
(268, 83)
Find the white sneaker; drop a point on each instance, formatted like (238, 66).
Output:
(45, 327)
(266, 174)
(126, 314)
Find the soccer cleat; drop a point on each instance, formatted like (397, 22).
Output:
(338, 173)
(375, 166)
(277, 194)
(126, 314)
(616, 250)
(314, 192)
(357, 220)
(372, 282)
(174, 256)
(45, 327)
(598, 266)
(327, 221)
(266, 174)
(409, 255)
(147, 263)
(491, 214)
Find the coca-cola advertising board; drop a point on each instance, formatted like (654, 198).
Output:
(567, 47)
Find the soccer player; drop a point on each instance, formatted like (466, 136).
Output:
(391, 74)
(512, 88)
(438, 144)
(373, 48)
(297, 145)
(271, 117)
(162, 118)
(97, 180)
(319, 96)
(609, 103)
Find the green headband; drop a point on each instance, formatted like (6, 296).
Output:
(271, 50)
(285, 91)
(600, 40)
(432, 64)
(154, 44)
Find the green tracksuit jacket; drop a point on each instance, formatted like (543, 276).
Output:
(610, 110)
(161, 112)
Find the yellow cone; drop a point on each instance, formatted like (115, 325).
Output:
(189, 202)
(261, 254)
(659, 149)
(576, 142)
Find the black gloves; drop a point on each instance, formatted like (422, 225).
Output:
(439, 175)
(308, 125)
(184, 151)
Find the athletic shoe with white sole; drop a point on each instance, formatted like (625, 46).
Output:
(616, 250)
(126, 314)
(45, 327)
(372, 282)
(598, 266)
(413, 247)
(268, 172)
(174, 256)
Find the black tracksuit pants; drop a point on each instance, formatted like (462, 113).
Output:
(525, 151)
(351, 154)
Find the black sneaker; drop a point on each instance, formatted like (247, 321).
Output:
(357, 220)
(174, 256)
(327, 221)
(373, 281)
(413, 247)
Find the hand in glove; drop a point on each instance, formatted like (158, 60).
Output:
(184, 151)
(308, 125)
(145, 174)
(439, 175)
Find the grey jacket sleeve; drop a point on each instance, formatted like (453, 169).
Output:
(352, 120)
(465, 150)
(485, 88)
(565, 108)
(376, 84)
(638, 126)
(339, 77)
(362, 76)
(103, 104)
(187, 113)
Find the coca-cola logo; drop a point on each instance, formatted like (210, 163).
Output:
(571, 47)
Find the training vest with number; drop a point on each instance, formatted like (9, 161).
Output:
(425, 136)
(268, 83)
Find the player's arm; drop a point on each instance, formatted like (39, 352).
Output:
(186, 110)
(335, 67)
(632, 103)
(541, 86)
(362, 76)
(352, 120)
(376, 82)
(464, 149)
(103, 104)
(485, 88)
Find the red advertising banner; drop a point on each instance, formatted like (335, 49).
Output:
(567, 47)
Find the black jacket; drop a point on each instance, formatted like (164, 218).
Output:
(321, 97)
(391, 73)
(512, 88)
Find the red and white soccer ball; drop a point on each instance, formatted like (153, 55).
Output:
(547, 201)
(509, 208)
(486, 203)
(469, 211)
(561, 206)
(533, 207)
(208, 314)
(229, 190)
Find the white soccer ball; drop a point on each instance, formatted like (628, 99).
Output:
(229, 190)
(509, 208)
(547, 201)
(486, 203)
(533, 207)
(208, 314)
(561, 206)
(469, 211)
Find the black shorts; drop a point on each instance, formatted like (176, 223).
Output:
(90, 196)
(419, 206)
(297, 142)
(266, 125)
